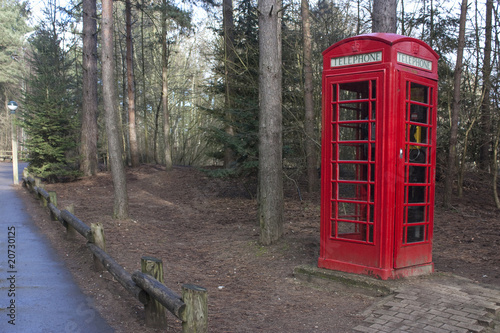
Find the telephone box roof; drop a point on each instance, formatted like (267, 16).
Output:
(388, 38)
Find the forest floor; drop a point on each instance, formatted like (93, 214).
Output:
(204, 229)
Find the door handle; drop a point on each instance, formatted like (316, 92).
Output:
(401, 153)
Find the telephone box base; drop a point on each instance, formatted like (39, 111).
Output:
(378, 273)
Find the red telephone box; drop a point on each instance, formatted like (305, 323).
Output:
(378, 156)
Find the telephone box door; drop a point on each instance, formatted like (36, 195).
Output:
(415, 170)
(349, 186)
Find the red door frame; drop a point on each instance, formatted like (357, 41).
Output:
(373, 258)
(418, 253)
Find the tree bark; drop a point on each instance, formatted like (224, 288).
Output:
(310, 146)
(452, 153)
(134, 150)
(144, 100)
(88, 150)
(384, 16)
(485, 155)
(166, 122)
(229, 58)
(113, 128)
(270, 122)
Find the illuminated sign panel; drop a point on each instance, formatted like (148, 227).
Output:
(357, 59)
(414, 61)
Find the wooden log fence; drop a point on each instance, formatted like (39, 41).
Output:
(5, 155)
(191, 308)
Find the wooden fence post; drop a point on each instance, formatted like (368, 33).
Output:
(196, 313)
(38, 184)
(155, 312)
(29, 184)
(45, 202)
(53, 200)
(70, 231)
(25, 177)
(99, 240)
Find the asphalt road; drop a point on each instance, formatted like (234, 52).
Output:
(37, 292)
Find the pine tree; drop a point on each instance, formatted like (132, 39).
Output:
(242, 115)
(13, 27)
(48, 115)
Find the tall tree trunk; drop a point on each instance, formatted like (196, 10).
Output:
(88, 150)
(270, 122)
(229, 57)
(166, 121)
(452, 154)
(403, 30)
(144, 100)
(358, 23)
(121, 57)
(496, 140)
(495, 167)
(134, 151)
(485, 155)
(156, 155)
(310, 146)
(113, 125)
(424, 9)
(431, 32)
(384, 16)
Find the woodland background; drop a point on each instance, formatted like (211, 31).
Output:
(186, 79)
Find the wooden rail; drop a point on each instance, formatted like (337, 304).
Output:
(5, 155)
(146, 285)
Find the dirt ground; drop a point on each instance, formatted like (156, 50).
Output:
(204, 229)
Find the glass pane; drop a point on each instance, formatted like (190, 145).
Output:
(353, 132)
(334, 132)
(417, 134)
(372, 131)
(352, 191)
(352, 211)
(334, 191)
(334, 171)
(416, 214)
(417, 174)
(374, 109)
(353, 152)
(334, 210)
(415, 234)
(356, 231)
(334, 92)
(419, 93)
(372, 212)
(353, 111)
(353, 90)
(353, 171)
(418, 113)
(418, 155)
(374, 89)
(416, 194)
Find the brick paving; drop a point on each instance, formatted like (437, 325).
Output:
(441, 305)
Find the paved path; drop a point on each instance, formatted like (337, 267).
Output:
(439, 304)
(37, 293)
